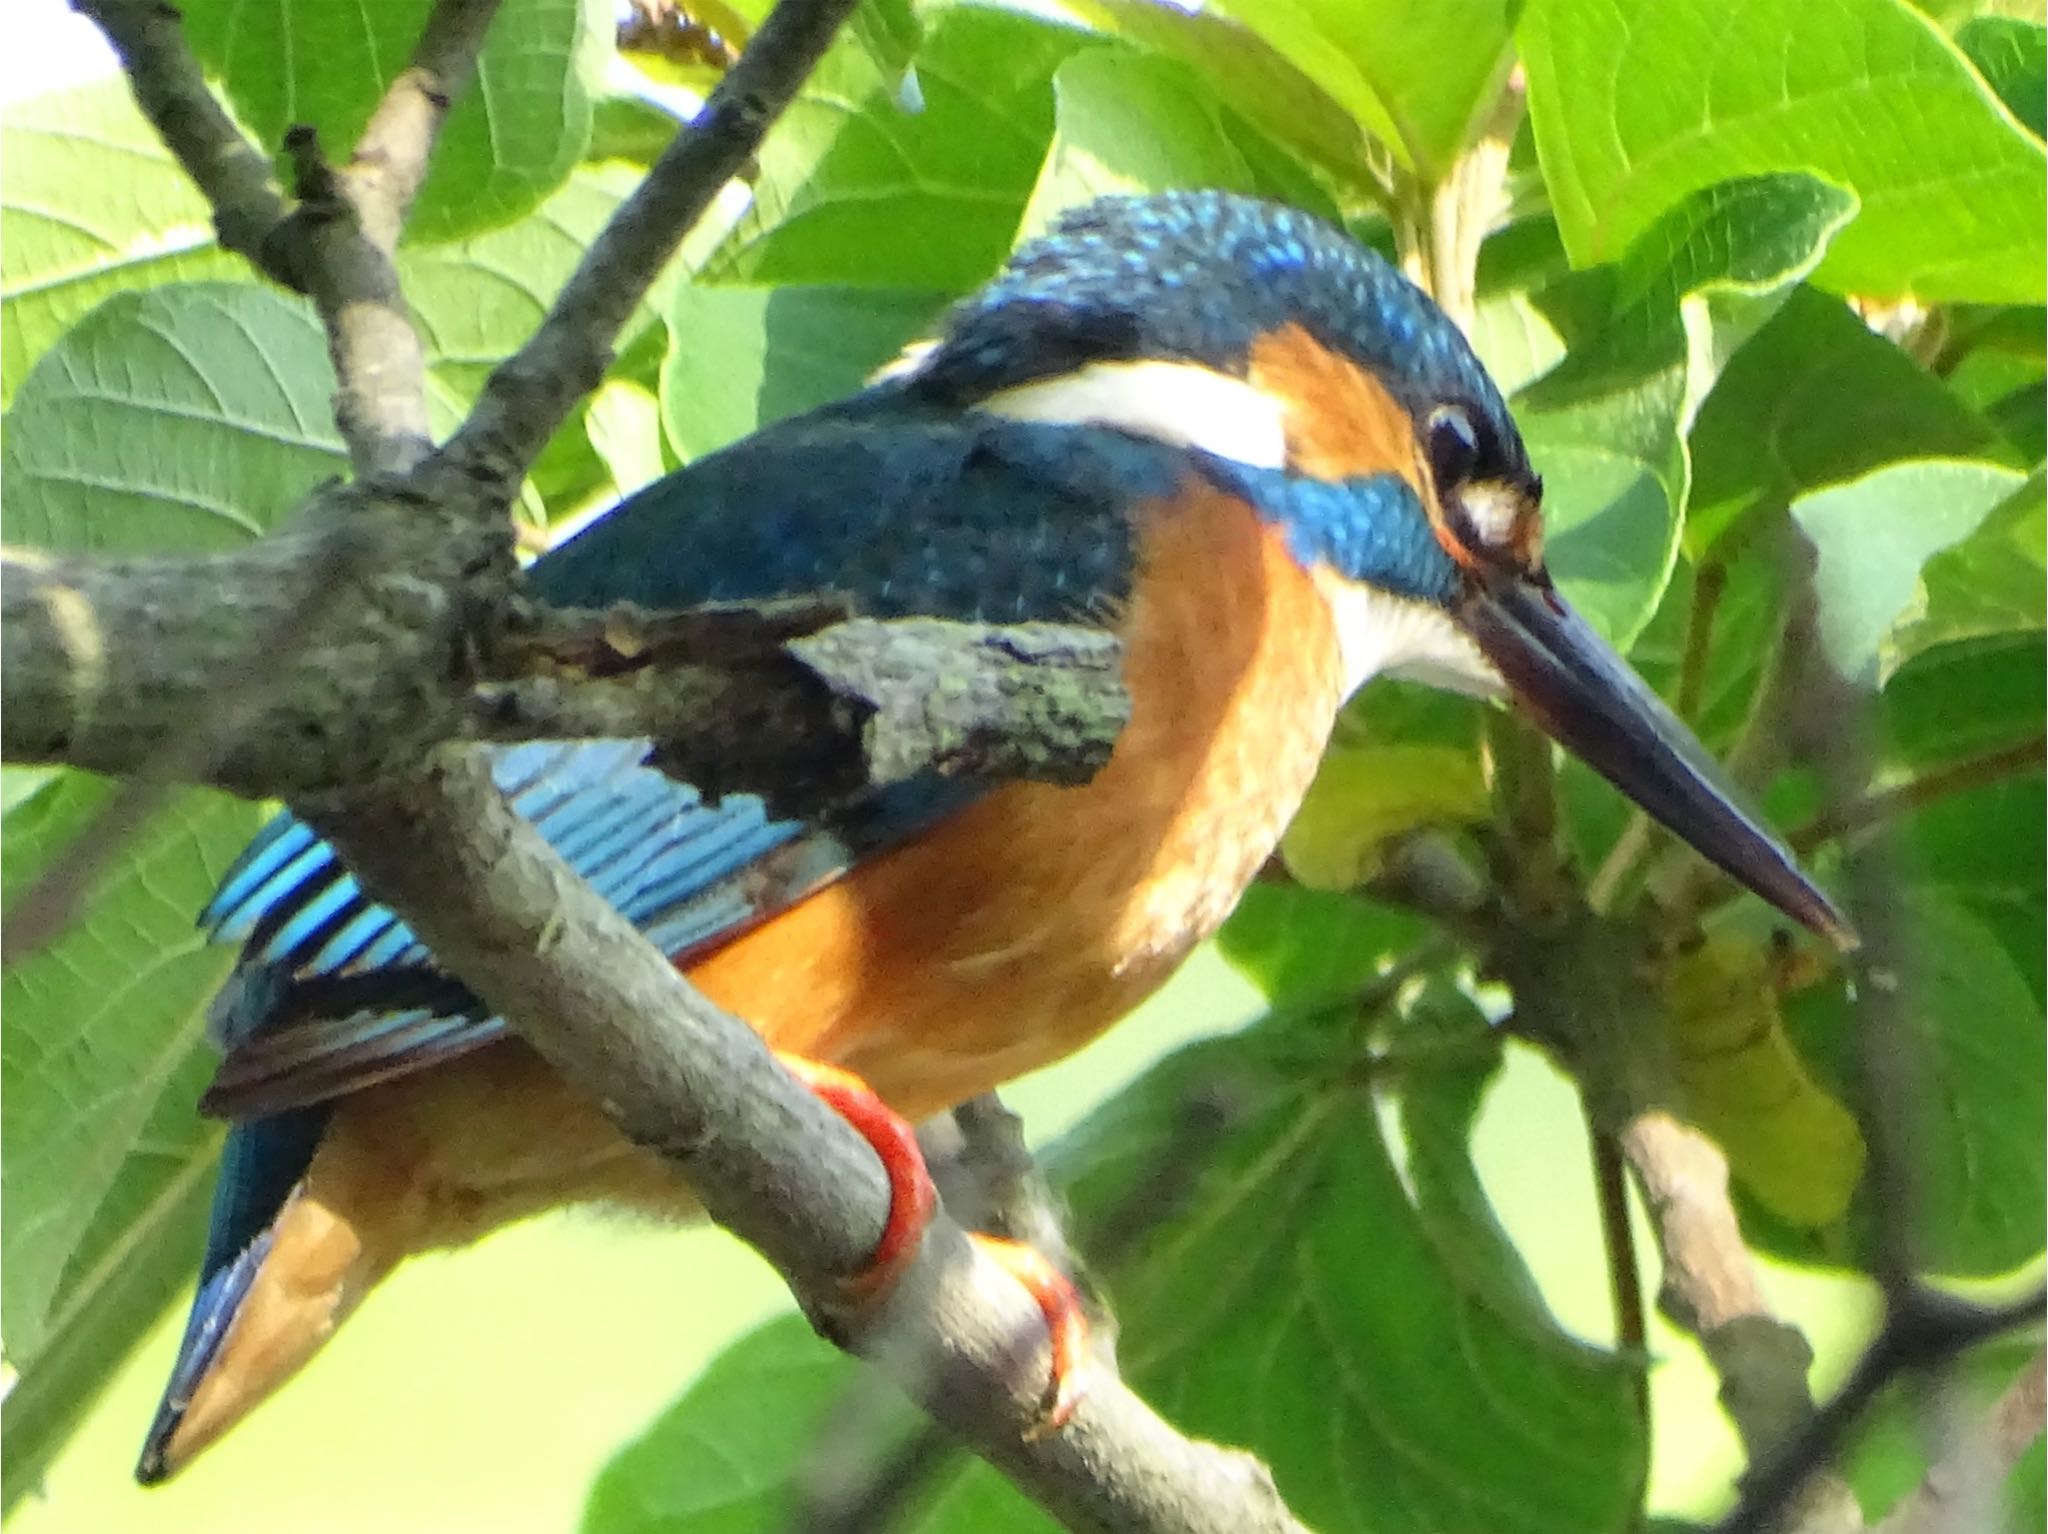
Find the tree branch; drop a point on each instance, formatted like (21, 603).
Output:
(232, 173)
(532, 392)
(109, 664)
(1960, 1490)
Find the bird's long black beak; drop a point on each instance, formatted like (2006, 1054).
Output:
(1586, 697)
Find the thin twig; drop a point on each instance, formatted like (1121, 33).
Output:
(1624, 1268)
(231, 173)
(1925, 1334)
(1959, 1493)
(1994, 766)
(532, 392)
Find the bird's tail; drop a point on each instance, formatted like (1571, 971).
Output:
(284, 1264)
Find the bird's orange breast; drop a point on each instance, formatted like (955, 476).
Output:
(1029, 922)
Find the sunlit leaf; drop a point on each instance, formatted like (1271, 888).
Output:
(859, 184)
(1418, 78)
(739, 358)
(1873, 536)
(513, 135)
(94, 205)
(1637, 104)
(1813, 399)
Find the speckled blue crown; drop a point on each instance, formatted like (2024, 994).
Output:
(1199, 276)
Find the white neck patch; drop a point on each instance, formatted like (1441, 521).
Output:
(1180, 403)
(1378, 631)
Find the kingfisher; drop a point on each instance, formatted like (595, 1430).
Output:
(1214, 426)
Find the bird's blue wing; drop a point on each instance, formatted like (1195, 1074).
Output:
(960, 516)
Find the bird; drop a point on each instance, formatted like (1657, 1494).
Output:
(1215, 427)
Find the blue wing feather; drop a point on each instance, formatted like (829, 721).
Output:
(960, 515)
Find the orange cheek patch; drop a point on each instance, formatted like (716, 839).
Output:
(1341, 421)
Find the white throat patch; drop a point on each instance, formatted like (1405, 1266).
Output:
(1180, 403)
(1378, 632)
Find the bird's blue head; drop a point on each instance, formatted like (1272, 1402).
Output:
(1305, 374)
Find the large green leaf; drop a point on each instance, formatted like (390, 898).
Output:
(94, 205)
(739, 357)
(515, 133)
(1648, 340)
(1128, 123)
(1636, 104)
(477, 300)
(137, 1254)
(859, 184)
(98, 1024)
(1417, 77)
(1813, 399)
(2012, 56)
(1874, 535)
(1245, 71)
(182, 417)
(1980, 1073)
(1993, 582)
(1303, 1302)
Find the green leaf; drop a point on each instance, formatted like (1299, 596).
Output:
(2012, 56)
(1993, 582)
(857, 185)
(1127, 123)
(137, 1255)
(94, 205)
(99, 1022)
(180, 418)
(477, 300)
(1813, 399)
(1305, 948)
(516, 131)
(1981, 1074)
(1614, 475)
(1243, 70)
(1298, 1302)
(1647, 341)
(729, 1452)
(1416, 77)
(739, 358)
(1960, 699)
(1711, 271)
(1873, 536)
(1637, 104)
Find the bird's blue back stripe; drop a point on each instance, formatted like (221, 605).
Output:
(309, 916)
(394, 946)
(366, 922)
(284, 838)
(244, 919)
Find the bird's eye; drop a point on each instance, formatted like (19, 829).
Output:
(1453, 446)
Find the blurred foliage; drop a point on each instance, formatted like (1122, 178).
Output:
(1772, 291)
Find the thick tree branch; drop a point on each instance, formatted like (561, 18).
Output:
(532, 392)
(110, 664)
(769, 1161)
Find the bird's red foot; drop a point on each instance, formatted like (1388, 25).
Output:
(912, 1201)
